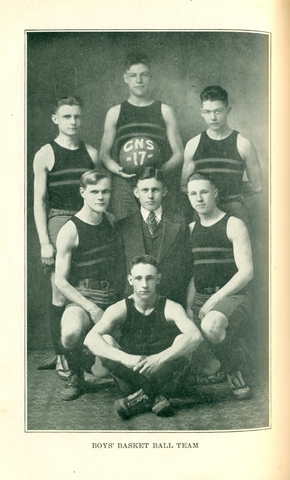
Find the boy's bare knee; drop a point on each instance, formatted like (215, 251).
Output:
(214, 327)
(71, 334)
(70, 340)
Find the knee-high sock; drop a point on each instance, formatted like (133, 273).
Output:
(55, 314)
(74, 358)
(226, 353)
(88, 359)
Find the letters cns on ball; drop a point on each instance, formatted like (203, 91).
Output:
(139, 152)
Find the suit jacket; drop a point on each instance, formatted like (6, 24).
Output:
(174, 256)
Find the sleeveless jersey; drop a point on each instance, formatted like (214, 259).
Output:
(63, 179)
(146, 334)
(96, 256)
(221, 159)
(138, 121)
(213, 256)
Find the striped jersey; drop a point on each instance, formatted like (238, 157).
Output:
(221, 160)
(97, 255)
(143, 121)
(63, 179)
(213, 256)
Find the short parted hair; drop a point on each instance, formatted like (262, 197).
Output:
(214, 93)
(145, 259)
(92, 177)
(201, 176)
(69, 100)
(135, 58)
(150, 172)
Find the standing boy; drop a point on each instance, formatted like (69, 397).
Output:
(223, 153)
(88, 272)
(218, 298)
(155, 343)
(139, 116)
(154, 231)
(58, 166)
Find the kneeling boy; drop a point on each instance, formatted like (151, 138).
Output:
(88, 272)
(218, 297)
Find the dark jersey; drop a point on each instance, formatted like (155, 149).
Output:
(63, 179)
(143, 121)
(221, 159)
(146, 334)
(97, 254)
(213, 256)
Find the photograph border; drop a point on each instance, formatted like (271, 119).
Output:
(269, 168)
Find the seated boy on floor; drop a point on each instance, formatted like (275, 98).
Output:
(155, 342)
(218, 298)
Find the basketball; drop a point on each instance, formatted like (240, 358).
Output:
(139, 152)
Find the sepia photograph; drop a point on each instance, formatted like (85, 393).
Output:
(147, 222)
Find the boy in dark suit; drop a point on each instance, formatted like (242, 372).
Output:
(152, 231)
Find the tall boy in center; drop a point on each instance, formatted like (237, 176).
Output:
(140, 116)
(153, 231)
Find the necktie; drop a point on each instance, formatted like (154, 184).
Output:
(152, 222)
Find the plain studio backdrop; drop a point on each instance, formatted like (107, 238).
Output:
(91, 65)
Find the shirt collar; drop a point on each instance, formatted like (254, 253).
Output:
(157, 212)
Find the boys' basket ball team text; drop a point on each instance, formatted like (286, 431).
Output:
(148, 248)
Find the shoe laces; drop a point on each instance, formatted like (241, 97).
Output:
(73, 380)
(138, 398)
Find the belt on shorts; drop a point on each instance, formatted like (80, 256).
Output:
(92, 284)
(208, 290)
(231, 198)
(53, 212)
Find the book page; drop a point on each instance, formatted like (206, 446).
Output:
(255, 454)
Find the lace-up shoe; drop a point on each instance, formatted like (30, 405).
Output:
(74, 387)
(238, 387)
(132, 405)
(162, 407)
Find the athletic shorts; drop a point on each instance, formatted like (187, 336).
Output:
(56, 219)
(235, 307)
(102, 298)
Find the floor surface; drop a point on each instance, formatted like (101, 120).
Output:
(204, 408)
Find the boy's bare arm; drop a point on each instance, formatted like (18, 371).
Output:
(174, 140)
(43, 162)
(113, 317)
(108, 140)
(188, 164)
(253, 168)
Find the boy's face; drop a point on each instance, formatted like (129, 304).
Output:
(68, 119)
(202, 196)
(144, 278)
(150, 193)
(97, 197)
(138, 79)
(215, 114)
